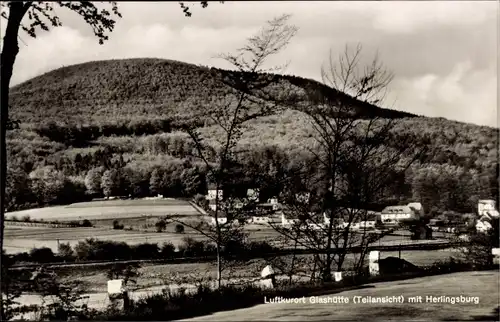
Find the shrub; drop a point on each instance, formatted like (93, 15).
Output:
(65, 251)
(179, 228)
(167, 250)
(160, 225)
(260, 248)
(26, 218)
(145, 251)
(117, 225)
(42, 255)
(191, 247)
(86, 223)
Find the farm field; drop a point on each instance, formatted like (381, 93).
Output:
(138, 215)
(151, 275)
(112, 209)
(24, 238)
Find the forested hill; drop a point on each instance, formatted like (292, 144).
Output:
(129, 89)
(112, 127)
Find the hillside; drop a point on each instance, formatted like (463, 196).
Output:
(117, 124)
(129, 89)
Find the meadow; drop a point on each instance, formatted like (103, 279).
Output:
(152, 275)
(112, 209)
(138, 218)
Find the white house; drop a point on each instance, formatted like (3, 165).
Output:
(260, 220)
(274, 203)
(396, 214)
(221, 219)
(487, 207)
(212, 204)
(287, 222)
(483, 224)
(486, 211)
(253, 194)
(212, 193)
(303, 197)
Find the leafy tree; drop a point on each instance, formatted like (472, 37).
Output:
(93, 180)
(193, 180)
(156, 182)
(65, 251)
(48, 184)
(18, 190)
(110, 182)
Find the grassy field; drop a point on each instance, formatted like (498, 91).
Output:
(483, 286)
(112, 209)
(138, 217)
(156, 275)
(21, 239)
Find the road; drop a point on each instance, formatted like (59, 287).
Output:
(483, 285)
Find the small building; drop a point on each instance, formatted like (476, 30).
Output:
(221, 220)
(253, 194)
(303, 197)
(260, 220)
(288, 222)
(393, 215)
(485, 206)
(212, 193)
(483, 224)
(212, 204)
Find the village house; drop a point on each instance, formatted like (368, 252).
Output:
(289, 220)
(392, 215)
(222, 219)
(487, 207)
(360, 219)
(212, 192)
(486, 213)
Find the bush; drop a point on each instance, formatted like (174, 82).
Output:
(26, 218)
(160, 225)
(179, 229)
(117, 225)
(191, 247)
(65, 251)
(86, 223)
(145, 251)
(42, 255)
(167, 250)
(260, 248)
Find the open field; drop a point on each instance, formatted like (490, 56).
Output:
(21, 239)
(483, 285)
(110, 209)
(155, 275)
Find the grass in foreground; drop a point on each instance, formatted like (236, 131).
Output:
(204, 301)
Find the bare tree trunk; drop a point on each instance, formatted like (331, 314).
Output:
(293, 261)
(219, 266)
(8, 57)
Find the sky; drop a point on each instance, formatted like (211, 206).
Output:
(443, 53)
